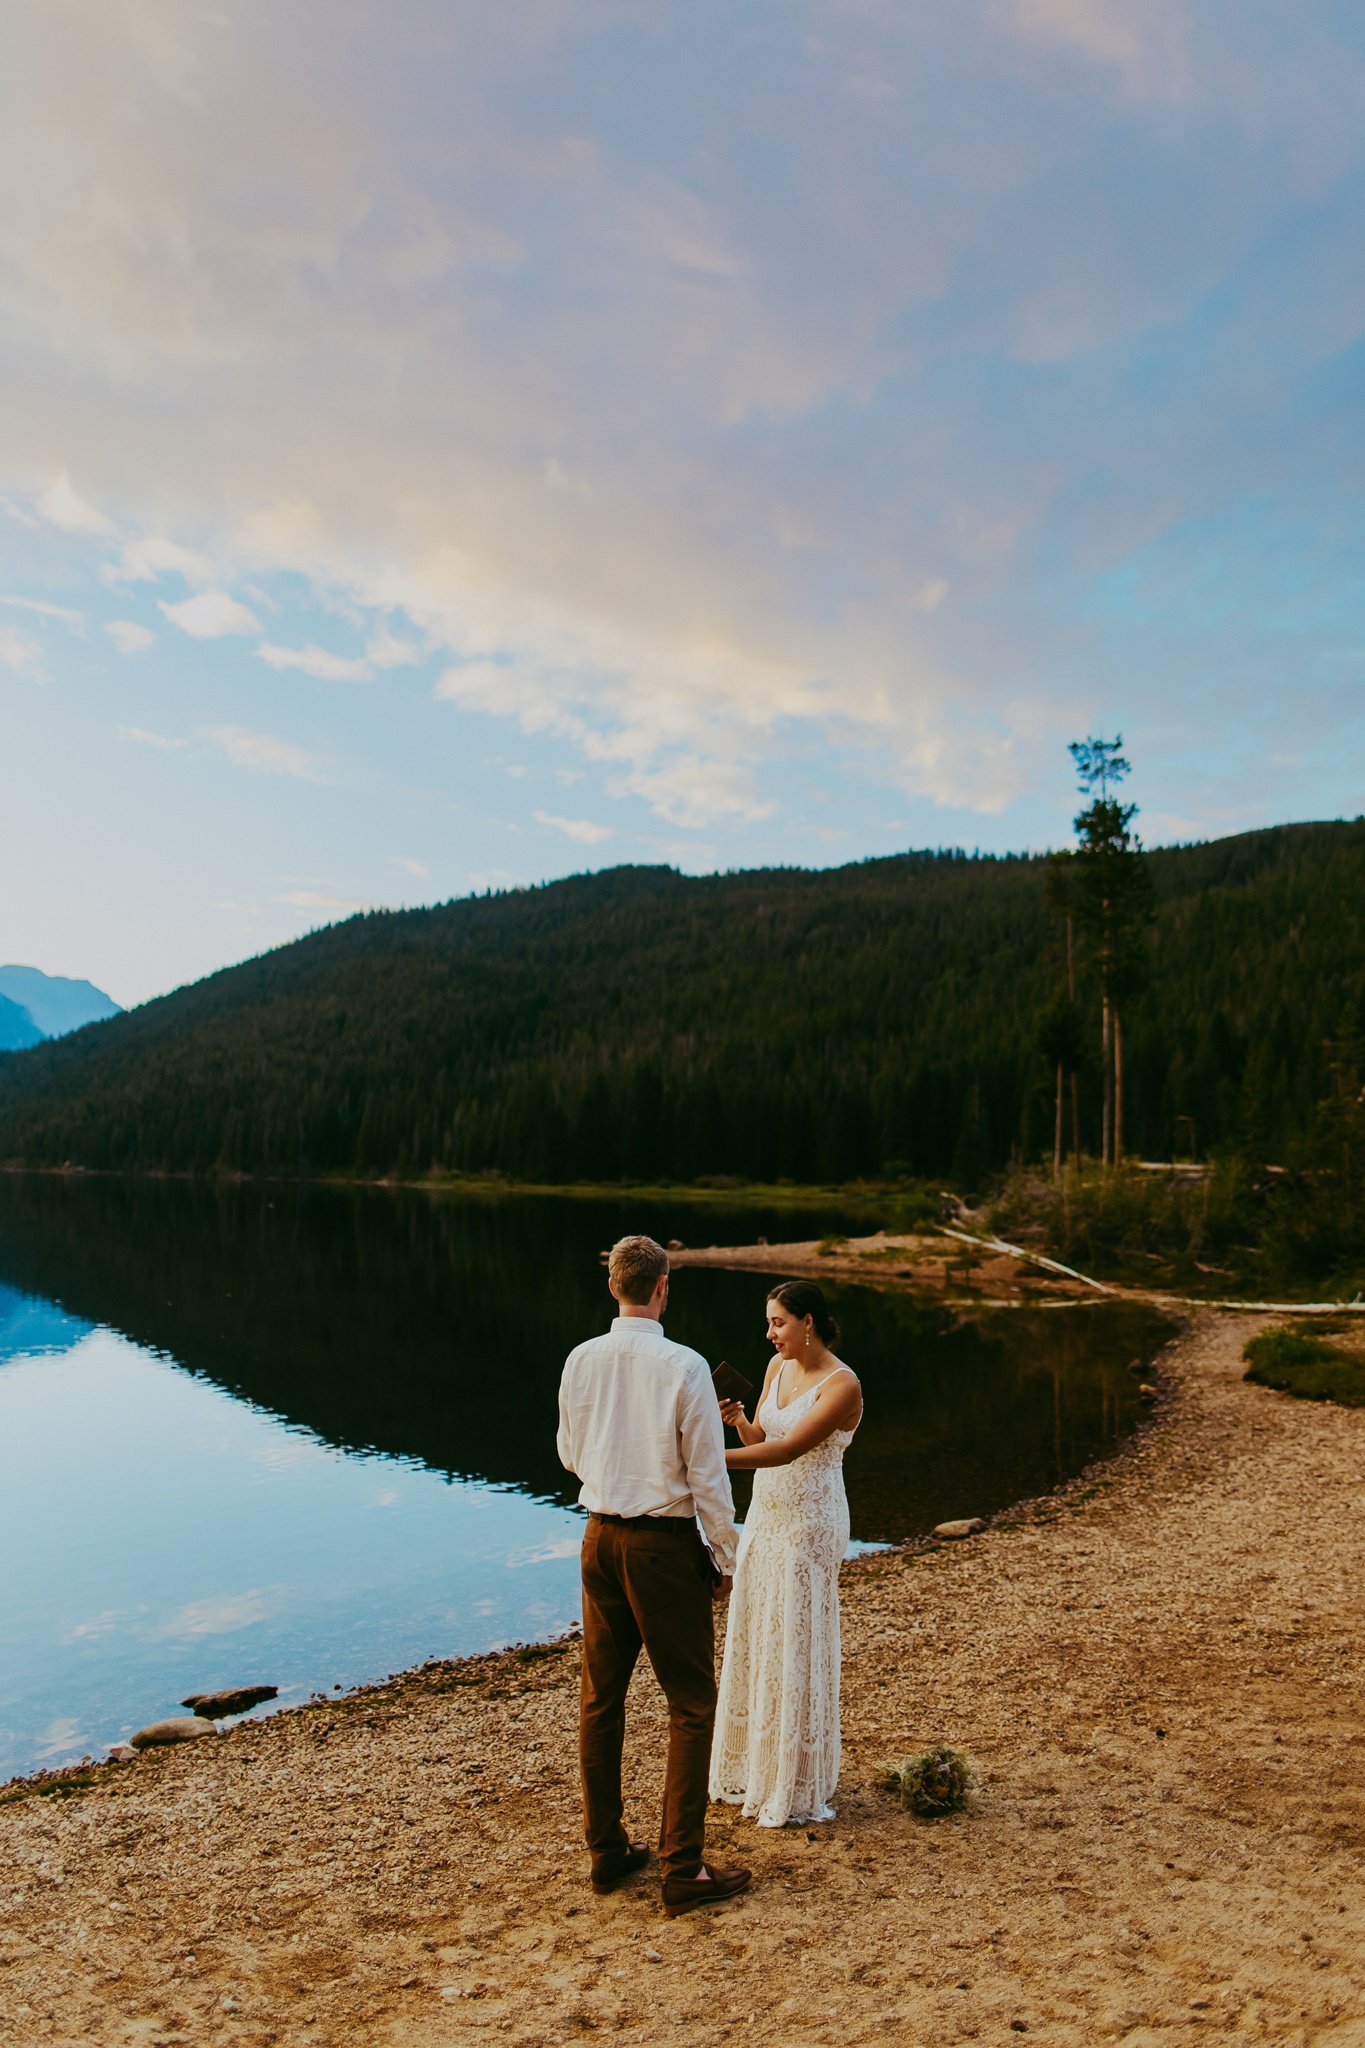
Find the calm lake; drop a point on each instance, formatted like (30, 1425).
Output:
(305, 1436)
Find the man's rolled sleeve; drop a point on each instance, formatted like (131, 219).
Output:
(702, 1434)
(564, 1440)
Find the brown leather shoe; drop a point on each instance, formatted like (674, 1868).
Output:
(683, 1894)
(609, 1876)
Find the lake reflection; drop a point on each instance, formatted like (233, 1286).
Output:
(307, 1435)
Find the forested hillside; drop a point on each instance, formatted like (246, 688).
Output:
(875, 1018)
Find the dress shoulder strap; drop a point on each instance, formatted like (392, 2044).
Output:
(826, 1380)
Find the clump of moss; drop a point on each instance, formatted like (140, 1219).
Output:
(1298, 1363)
(67, 1783)
(935, 1782)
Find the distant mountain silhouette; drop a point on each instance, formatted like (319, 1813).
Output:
(877, 1018)
(17, 1028)
(53, 1003)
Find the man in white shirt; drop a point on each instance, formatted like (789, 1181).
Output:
(640, 1425)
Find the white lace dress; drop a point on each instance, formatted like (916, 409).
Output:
(776, 1745)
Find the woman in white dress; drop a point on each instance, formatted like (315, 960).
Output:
(776, 1745)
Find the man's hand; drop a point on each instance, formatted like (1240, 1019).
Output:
(723, 1587)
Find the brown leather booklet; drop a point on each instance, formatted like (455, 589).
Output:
(729, 1384)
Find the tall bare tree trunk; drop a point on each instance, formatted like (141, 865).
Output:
(1057, 1127)
(1075, 1077)
(1107, 1064)
(1107, 1037)
(1118, 1085)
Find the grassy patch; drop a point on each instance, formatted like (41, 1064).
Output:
(715, 1189)
(1296, 1362)
(64, 1784)
(898, 1205)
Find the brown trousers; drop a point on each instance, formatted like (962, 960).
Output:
(647, 1582)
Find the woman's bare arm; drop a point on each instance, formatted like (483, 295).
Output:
(733, 1412)
(838, 1405)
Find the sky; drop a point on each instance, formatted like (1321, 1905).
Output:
(445, 447)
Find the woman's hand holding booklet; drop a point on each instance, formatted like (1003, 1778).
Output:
(730, 1385)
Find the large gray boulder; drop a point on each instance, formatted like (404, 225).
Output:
(186, 1728)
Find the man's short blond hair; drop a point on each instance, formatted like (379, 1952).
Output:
(635, 1267)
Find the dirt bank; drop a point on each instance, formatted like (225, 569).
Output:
(960, 1271)
(1159, 1674)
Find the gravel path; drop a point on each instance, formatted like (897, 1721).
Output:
(1158, 1672)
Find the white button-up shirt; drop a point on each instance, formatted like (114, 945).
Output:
(639, 1423)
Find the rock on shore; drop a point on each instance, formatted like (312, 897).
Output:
(221, 1706)
(182, 1728)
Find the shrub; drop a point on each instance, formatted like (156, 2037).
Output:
(1297, 1363)
(917, 1207)
(1232, 1230)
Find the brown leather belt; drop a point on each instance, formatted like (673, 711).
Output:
(686, 1522)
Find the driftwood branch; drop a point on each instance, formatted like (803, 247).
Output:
(1267, 1308)
(1018, 1251)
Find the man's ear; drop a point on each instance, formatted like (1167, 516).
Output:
(612, 1289)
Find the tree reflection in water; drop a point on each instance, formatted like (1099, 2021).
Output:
(433, 1327)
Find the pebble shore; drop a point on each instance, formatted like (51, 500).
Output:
(1157, 1671)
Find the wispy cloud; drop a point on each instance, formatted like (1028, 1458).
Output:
(407, 866)
(60, 506)
(266, 755)
(63, 614)
(60, 1738)
(21, 655)
(324, 900)
(548, 1552)
(317, 661)
(129, 637)
(582, 829)
(694, 790)
(141, 737)
(212, 615)
(387, 649)
(153, 556)
(97, 1626)
(221, 1616)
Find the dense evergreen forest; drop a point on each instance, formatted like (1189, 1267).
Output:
(877, 1019)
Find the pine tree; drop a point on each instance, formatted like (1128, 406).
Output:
(1113, 909)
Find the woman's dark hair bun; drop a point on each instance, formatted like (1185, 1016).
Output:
(803, 1298)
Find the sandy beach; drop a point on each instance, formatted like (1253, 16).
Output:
(1157, 1670)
